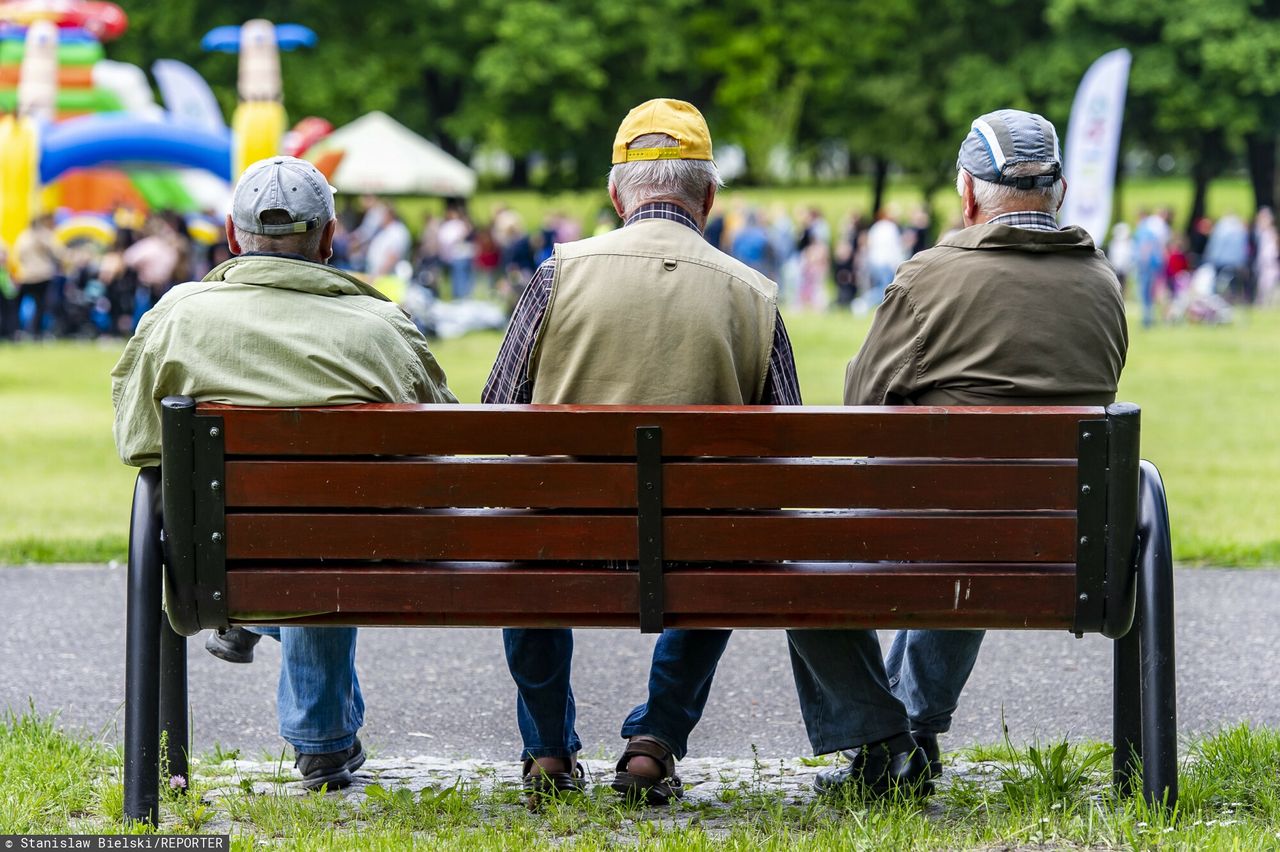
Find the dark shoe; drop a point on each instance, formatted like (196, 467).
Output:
(333, 768)
(539, 783)
(928, 744)
(648, 789)
(878, 771)
(235, 644)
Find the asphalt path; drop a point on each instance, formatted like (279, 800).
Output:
(447, 692)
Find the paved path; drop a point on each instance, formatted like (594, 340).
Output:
(447, 692)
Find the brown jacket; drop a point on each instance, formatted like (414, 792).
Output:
(996, 315)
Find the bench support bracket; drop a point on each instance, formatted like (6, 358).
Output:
(649, 526)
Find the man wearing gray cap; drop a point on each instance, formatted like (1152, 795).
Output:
(275, 326)
(1010, 310)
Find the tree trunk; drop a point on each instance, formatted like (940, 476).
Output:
(1261, 153)
(1208, 165)
(880, 179)
(519, 172)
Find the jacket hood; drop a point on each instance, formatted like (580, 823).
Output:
(989, 236)
(292, 274)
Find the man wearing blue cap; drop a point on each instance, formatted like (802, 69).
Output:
(276, 326)
(1010, 310)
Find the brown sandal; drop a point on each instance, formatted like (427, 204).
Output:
(647, 788)
(539, 783)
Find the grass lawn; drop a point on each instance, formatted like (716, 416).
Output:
(1056, 797)
(1208, 395)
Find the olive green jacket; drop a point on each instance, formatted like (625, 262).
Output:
(996, 315)
(271, 331)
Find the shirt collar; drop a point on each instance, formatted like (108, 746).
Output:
(1031, 220)
(662, 210)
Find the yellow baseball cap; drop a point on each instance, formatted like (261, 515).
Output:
(678, 119)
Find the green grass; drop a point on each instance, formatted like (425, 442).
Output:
(1209, 396)
(1230, 799)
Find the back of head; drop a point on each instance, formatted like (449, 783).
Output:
(282, 205)
(662, 152)
(1014, 161)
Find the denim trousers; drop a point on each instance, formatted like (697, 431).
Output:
(318, 700)
(684, 662)
(844, 692)
(927, 672)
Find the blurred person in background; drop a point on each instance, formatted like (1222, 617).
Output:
(388, 246)
(815, 261)
(38, 257)
(1228, 253)
(1151, 256)
(751, 243)
(885, 253)
(8, 298)
(1266, 263)
(457, 251)
(1120, 253)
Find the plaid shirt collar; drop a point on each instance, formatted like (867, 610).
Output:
(1031, 220)
(662, 210)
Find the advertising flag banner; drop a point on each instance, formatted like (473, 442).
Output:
(1093, 144)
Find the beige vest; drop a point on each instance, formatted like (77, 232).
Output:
(651, 314)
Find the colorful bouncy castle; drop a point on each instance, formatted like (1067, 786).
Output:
(82, 134)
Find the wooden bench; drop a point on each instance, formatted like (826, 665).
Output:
(598, 516)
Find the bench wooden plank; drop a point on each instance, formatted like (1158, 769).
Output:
(516, 535)
(795, 594)
(687, 431)
(543, 483)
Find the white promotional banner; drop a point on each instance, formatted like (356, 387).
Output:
(186, 95)
(1093, 144)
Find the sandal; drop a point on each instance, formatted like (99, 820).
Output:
(539, 783)
(647, 788)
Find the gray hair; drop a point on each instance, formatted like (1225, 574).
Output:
(306, 244)
(996, 198)
(682, 182)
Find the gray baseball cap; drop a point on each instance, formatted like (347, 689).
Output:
(282, 183)
(1008, 136)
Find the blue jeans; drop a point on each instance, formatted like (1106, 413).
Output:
(844, 692)
(684, 662)
(460, 278)
(318, 700)
(927, 672)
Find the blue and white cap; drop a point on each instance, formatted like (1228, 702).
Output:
(1007, 137)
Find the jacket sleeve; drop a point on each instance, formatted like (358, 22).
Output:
(134, 383)
(886, 370)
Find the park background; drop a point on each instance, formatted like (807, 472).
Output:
(847, 106)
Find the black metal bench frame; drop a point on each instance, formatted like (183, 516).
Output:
(177, 581)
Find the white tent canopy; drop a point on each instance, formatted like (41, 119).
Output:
(380, 156)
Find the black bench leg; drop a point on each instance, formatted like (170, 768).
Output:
(1155, 602)
(1127, 714)
(173, 701)
(142, 653)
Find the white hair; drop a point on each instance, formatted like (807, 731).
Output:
(306, 244)
(996, 198)
(682, 182)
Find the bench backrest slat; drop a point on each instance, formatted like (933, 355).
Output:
(759, 516)
(549, 483)
(689, 431)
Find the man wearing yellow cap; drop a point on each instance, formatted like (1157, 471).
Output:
(649, 314)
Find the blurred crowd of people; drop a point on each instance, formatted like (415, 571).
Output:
(1200, 274)
(455, 274)
(51, 287)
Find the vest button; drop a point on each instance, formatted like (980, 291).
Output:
(669, 265)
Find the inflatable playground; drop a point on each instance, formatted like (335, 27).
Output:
(83, 137)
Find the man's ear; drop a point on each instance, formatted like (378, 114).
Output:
(1064, 195)
(969, 199)
(617, 205)
(232, 242)
(708, 202)
(326, 239)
